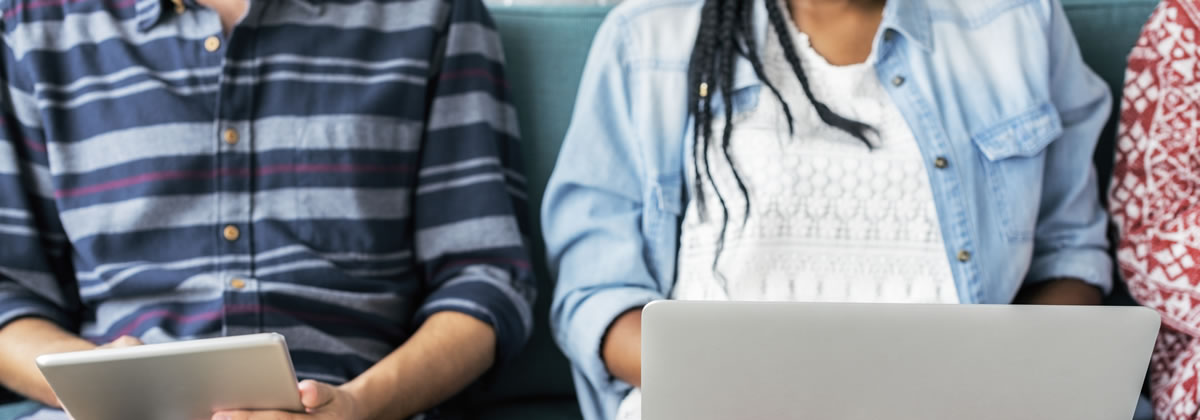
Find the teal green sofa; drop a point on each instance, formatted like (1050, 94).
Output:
(546, 48)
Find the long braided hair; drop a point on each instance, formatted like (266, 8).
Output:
(726, 32)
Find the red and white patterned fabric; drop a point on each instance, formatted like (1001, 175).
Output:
(1154, 196)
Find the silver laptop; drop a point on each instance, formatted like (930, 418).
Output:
(725, 360)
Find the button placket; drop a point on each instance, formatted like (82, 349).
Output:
(230, 140)
(234, 142)
(933, 141)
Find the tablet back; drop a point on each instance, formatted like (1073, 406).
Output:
(780, 361)
(175, 381)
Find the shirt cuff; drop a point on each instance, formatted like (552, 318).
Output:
(583, 334)
(15, 305)
(491, 300)
(1092, 266)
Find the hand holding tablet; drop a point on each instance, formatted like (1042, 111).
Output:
(176, 381)
(321, 402)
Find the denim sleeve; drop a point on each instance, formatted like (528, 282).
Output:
(592, 212)
(1071, 238)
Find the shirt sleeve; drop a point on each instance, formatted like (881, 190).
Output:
(1071, 238)
(470, 198)
(592, 214)
(35, 278)
(1153, 198)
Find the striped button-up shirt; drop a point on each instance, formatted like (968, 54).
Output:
(335, 171)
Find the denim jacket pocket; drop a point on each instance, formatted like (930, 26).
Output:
(1013, 158)
(663, 212)
(668, 196)
(664, 208)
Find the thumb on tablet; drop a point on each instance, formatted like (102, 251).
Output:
(123, 341)
(314, 394)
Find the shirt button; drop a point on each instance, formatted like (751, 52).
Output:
(964, 256)
(212, 44)
(898, 81)
(231, 233)
(238, 284)
(230, 136)
(941, 163)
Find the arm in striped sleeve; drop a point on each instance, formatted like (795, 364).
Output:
(470, 201)
(35, 279)
(38, 297)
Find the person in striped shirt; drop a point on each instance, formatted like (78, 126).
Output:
(345, 173)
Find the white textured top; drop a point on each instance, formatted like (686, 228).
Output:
(830, 220)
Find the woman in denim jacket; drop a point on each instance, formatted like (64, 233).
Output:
(933, 151)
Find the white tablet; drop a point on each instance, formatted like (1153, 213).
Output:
(186, 380)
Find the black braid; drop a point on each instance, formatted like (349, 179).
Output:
(724, 76)
(748, 49)
(727, 31)
(854, 128)
(699, 98)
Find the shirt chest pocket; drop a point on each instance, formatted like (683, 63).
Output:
(353, 180)
(1012, 156)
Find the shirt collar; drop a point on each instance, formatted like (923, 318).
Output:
(912, 19)
(151, 12)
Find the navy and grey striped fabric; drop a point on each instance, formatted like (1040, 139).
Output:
(335, 171)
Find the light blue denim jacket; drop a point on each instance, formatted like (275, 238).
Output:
(996, 87)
